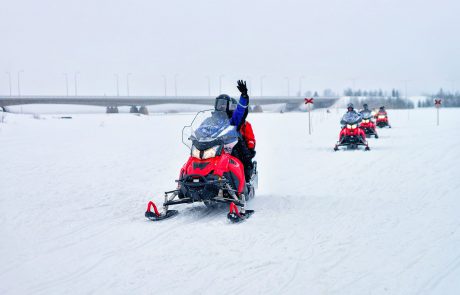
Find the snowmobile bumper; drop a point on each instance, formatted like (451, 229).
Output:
(370, 132)
(383, 124)
(352, 142)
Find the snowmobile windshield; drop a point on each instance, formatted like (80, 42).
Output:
(351, 118)
(214, 129)
(366, 114)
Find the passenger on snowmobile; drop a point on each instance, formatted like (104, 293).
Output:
(237, 112)
(212, 174)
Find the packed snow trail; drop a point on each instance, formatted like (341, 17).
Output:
(73, 194)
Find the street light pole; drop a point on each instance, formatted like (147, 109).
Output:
(118, 84)
(75, 81)
(300, 84)
(175, 84)
(67, 83)
(19, 82)
(164, 79)
(9, 77)
(209, 85)
(262, 85)
(127, 83)
(250, 85)
(353, 80)
(220, 83)
(288, 86)
(407, 99)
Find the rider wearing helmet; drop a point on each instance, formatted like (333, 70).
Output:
(365, 111)
(226, 104)
(237, 113)
(350, 110)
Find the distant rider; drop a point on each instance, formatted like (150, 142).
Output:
(383, 112)
(365, 110)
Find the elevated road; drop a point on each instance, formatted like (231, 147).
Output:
(113, 102)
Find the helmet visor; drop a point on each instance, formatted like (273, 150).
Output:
(221, 105)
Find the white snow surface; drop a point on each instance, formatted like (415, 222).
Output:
(73, 193)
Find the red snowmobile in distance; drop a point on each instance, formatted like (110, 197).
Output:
(367, 125)
(382, 118)
(351, 136)
(211, 175)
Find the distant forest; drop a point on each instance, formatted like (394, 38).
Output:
(378, 98)
(448, 100)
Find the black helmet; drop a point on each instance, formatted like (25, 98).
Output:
(382, 107)
(225, 103)
(365, 106)
(350, 106)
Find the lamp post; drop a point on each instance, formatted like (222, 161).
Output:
(300, 84)
(209, 85)
(127, 83)
(262, 85)
(175, 84)
(75, 81)
(165, 83)
(117, 84)
(250, 85)
(9, 77)
(353, 81)
(66, 83)
(288, 86)
(19, 82)
(220, 83)
(406, 98)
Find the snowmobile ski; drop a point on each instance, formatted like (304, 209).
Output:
(235, 216)
(156, 215)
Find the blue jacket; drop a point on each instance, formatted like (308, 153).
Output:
(238, 114)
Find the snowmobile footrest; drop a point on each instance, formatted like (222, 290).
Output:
(234, 218)
(154, 217)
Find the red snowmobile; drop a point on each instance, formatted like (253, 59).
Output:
(351, 136)
(211, 175)
(382, 119)
(367, 125)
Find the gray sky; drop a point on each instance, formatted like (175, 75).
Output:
(378, 43)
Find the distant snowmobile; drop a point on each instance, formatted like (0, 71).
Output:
(351, 136)
(367, 125)
(382, 118)
(211, 175)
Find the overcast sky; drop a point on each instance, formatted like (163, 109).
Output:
(332, 43)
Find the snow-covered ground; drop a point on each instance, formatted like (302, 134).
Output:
(73, 193)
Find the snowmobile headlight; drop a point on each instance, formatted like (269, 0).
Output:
(354, 126)
(195, 152)
(210, 153)
(348, 126)
(366, 121)
(381, 116)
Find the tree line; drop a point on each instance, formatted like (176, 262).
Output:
(449, 99)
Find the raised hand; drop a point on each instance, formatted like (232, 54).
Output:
(243, 88)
